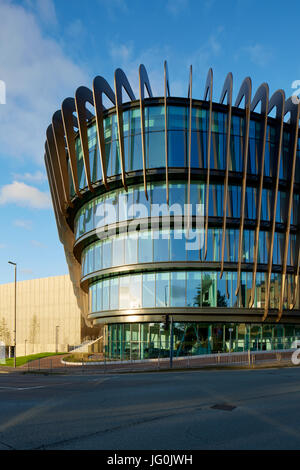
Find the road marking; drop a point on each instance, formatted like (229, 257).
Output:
(22, 388)
(100, 381)
(94, 380)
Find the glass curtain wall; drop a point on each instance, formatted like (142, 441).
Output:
(185, 289)
(129, 341)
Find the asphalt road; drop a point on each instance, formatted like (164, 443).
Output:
(152, 410)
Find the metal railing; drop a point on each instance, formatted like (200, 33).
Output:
(89, 364)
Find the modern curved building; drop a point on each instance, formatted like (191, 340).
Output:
(133, 182)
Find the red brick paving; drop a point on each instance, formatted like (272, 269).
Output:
(53, 363)
(242, 359)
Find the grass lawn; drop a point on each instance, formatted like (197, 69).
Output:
(21, 360)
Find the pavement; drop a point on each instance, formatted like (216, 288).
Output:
(56, 365)
(196, 409)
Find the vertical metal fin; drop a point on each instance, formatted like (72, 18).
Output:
(262, 96)
(59, 139)
(53, 162)
(144, 83)
(294, 110)
(208, 88)
(190, 96)
(53, 195)
(67, 109)
(100, 87)
(84, 95)
(277, 100)
(245, 91)
(227, 90)
(166, 95)
(121, 81)
(293, 304)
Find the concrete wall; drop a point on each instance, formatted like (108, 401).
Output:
(42, 305)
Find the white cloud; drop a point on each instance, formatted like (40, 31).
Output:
(203, 56)
(22, 223)
(24, 195)
(37, 177)
(257, 53)
(38, 76)
(38, 244)
(44, 9)
(124, 55)
(114, 8)
(121, 52)
(175, 7)
(75, 29)
(127, 56)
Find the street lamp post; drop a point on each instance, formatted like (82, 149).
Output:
(230, 331)
(15, 316)
(171, 342)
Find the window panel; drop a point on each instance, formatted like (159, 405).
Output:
(148, 290)
(162, 289)
(178, 289)
(145, 247)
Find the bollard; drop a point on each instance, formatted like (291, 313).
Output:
(39, 364)
(249, 357)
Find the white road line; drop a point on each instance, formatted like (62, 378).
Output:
(22, 388)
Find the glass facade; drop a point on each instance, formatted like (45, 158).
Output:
(152, 340)
(120, 183)
(119, 205)
(184, 289)
(150, 246)
(122, 268)
(154, 117)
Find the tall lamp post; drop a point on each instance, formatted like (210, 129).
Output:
(15, 317)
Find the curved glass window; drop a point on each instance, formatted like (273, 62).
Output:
(184, 289)
(154, 246)
(178, 122)
(119, 205)
(133, 341)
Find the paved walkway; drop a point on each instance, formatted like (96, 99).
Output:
(214, 360)
(55, 364)
(51, 362)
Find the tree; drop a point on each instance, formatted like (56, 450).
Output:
(34, 330)
(4, 332)
(221, 299)
(203, 292)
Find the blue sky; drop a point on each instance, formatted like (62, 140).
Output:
(50, 47)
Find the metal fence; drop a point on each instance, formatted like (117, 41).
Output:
(89, 364)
